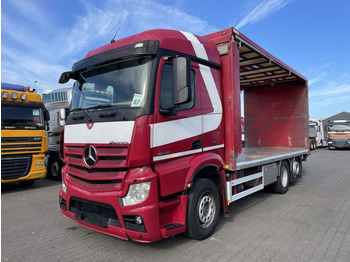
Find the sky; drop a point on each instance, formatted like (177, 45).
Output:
(40, 39)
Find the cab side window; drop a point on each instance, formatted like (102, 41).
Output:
(166, 92)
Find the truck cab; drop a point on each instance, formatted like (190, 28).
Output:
(152, 142)
(316, 134)
(338, 133)
(23, 135)
(54, 101)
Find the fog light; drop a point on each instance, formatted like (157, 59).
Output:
(14, 96)
(4, 95)
(138, 220)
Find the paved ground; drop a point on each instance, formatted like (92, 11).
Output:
(309, 223)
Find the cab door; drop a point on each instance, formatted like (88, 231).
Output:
(177, 130)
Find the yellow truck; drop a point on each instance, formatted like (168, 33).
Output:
(23, 135)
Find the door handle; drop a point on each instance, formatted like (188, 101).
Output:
(196, 144)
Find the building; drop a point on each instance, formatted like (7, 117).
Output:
(341, 116)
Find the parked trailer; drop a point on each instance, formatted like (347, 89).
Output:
(152, 144)
(54, 100)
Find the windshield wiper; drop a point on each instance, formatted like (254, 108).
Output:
(85, 113)
(102, 115)
(109, 114)
(100, 106)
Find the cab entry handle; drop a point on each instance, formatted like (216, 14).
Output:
(196, 144)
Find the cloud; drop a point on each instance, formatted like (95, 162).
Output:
(331, 89)
(261, 11)
(329, 93)
(38, 43)
(31, 10)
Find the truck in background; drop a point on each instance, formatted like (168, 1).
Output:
(152, 143)
(54, 100)
(23, 135)
(316, 134)
(338, 134)
(242, 131)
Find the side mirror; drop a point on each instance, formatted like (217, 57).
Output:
(62, 117)
(47, 119)
(47, 115)
(65, 77)
(181, 80)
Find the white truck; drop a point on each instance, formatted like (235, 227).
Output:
(54, 100)
(316, 134)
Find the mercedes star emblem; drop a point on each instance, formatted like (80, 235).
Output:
(90, 156)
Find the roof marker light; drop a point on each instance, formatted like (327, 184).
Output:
(4, 95)
(14, 96)
(138, 45)
(23, 96)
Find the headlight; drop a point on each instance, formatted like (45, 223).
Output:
(64, 187)
(137, 193)
(39, 164)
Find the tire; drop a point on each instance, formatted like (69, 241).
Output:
(54, 168)
(203, 209)
(282, 184)
(27, 183)
(297, 170)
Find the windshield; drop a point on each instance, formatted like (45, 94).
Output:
(22, 117)
(123, 84)
(339, 127)
(312, 131)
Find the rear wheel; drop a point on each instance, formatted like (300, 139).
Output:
(203, 209)
(282, 184)
(296, 170)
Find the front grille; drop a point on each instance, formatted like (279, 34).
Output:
(107, 174)
(13, 167)
(96, 213)
(20, 139)
(107, 156)
(97, 181)
(21, 144)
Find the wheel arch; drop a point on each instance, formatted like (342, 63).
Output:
(210, 169)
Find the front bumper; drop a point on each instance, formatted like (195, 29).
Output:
(102, 212)
(332, 143)
(37, 170)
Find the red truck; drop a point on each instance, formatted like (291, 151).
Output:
(152, 143)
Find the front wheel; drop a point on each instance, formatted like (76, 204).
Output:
(203, 209)
(54, 167)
